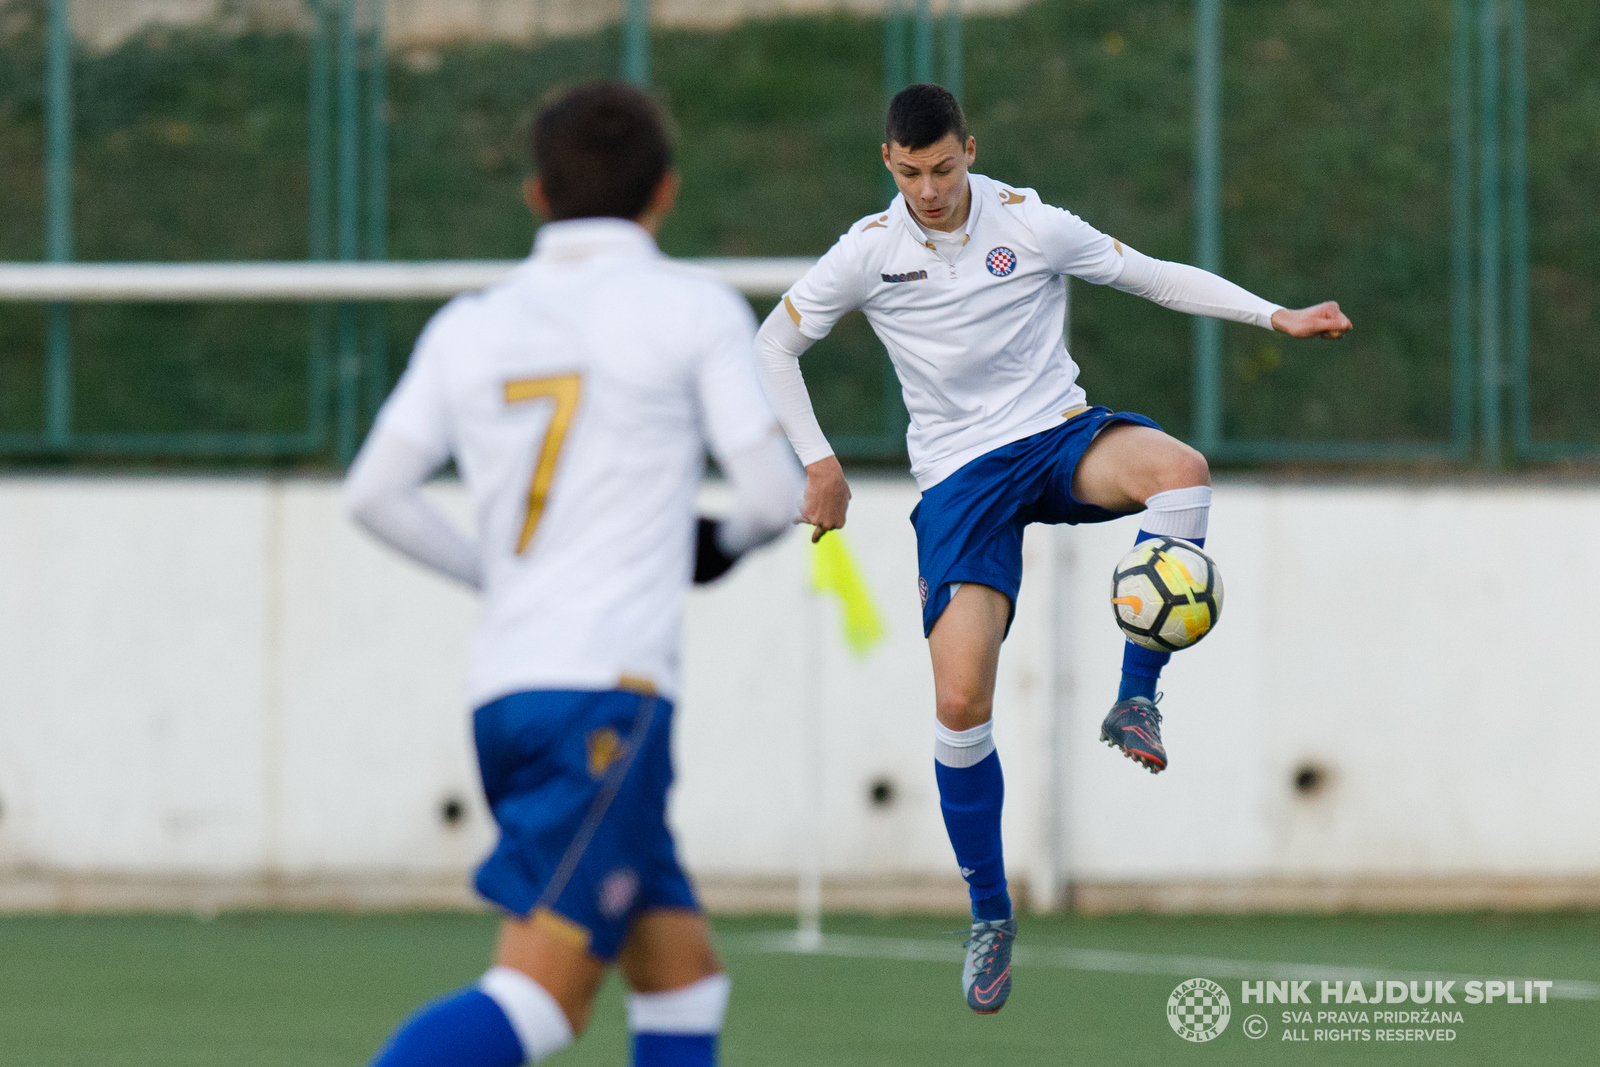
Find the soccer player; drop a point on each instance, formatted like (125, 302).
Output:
(962, 280)
(577, 399)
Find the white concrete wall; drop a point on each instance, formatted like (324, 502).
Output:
(222, 679)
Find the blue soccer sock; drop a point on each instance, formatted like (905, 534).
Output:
(505, 1021)
(972, 791)
(1173, 513)
(674, 1050)
(678, 1028)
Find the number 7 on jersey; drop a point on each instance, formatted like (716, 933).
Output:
(564, 391)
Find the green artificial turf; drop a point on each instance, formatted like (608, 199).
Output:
(310, 990)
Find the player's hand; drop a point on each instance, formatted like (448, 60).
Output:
(1320, 320)
(827, 497)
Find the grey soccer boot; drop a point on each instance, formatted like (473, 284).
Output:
(986, 977)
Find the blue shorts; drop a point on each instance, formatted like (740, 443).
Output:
(578, 783)
(969, 526)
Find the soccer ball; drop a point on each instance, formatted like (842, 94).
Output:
(1166, 594)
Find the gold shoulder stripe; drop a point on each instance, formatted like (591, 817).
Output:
(637, 683)
(1117, 245)
(880, 224)
(793, 314)
(1008, 197)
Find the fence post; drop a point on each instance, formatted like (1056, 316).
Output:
(922, 43)
(58, 219)
(1461, 235)
(952, 48)
(636, 43)
(1489, 225)
(377, 363)
(320, 188)
(1517, 223)
(1207, 431)
(348, 360)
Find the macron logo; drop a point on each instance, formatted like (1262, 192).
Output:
(909, 276)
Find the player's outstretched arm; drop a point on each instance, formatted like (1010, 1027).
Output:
(1319, 320)
(383, 493)
(1199, 292)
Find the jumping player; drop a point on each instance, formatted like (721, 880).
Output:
(578, 399)
(962, 280)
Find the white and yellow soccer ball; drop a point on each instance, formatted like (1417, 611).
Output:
(1166, 594)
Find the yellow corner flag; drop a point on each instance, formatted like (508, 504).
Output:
(833, 570)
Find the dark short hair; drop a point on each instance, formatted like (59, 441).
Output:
(920, 115)
(600, 150)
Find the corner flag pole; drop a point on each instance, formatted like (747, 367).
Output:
(808, 932)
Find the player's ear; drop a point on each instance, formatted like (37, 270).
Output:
(662, 199)
(665, 196)
(886, 162)
(533, 196)
(972, 150)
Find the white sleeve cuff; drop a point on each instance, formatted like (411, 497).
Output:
(767, 485)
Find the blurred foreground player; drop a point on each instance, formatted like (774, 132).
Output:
(578, 399)
(962, 280)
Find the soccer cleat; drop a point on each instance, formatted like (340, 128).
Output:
(1134, 725)
(986, 976)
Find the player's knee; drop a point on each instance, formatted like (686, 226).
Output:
(1181, 468)
(962, 708)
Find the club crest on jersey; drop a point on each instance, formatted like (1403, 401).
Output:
(1001, 261)
(908, 276)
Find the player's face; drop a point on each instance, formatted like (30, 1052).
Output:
(934, 179)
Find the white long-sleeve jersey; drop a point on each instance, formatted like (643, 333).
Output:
(578, 399)
(971, 321)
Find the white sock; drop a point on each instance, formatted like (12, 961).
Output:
(962, 748)
(540, 1024)
(1178, 512)
(697, 1008)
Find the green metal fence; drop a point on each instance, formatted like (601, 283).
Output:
(348, 195)
(1493, 299)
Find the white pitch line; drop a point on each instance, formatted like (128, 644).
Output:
(1108, 961)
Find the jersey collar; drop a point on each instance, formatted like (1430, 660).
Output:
(582, 238)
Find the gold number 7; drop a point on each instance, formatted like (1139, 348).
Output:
(564, 390)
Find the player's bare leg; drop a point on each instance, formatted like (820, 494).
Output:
(1131, 468)
(678, 991)
(555, 955)
(965, 647)
(1128, 464)
(667, 949)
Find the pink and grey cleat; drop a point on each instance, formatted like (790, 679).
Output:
(986, 977)
(1134, 725)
